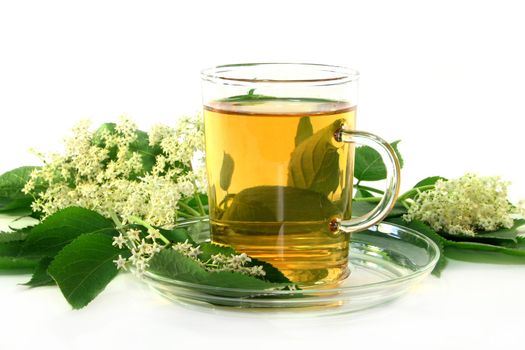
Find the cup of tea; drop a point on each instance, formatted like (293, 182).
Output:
(280, 141)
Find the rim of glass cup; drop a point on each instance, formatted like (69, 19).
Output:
(231, 74)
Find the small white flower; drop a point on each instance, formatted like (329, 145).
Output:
(236, 261)
(194, 252)
(155, 248)
(218, 259)
(183, 247)
(133, 234)
(142, 247)
(119, 241)
(153, 234)
(244, 258)
(257, 271)
(120, 262)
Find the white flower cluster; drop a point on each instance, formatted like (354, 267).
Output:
(221, 262)
(142, 249)
(106, 171)
(179, 143)
(465, 205)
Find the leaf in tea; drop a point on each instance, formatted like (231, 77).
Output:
(314, 163)
(304, 130)
(228, 165)
(278, 204)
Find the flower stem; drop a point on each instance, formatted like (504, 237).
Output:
(196, 195)
(189, 209)
(139, 221)
(409, 193)
(405, 204)
(199, 203)
(116, 220)
(183, 214)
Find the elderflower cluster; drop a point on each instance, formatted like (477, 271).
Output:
(221, 262)
(110, 171)
(465, 205)
(142, 249)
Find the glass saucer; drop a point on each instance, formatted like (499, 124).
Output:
(385, 261)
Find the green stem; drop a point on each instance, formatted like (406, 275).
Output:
(119, 226)
(409, 193)
(370, 189)
(139, 221)
(199, 203)
(183, 214)
(405, 204)
(368, 199)
(189, 209)
(116, 220)
(196, 195)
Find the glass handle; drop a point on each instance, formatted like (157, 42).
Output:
(393, 169)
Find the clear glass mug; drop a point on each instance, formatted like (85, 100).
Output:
(279, 156)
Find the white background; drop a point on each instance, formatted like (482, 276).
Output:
(446, 77)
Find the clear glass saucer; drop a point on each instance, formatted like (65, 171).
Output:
(385, 261)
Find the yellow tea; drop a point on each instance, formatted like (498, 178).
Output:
(277, 178)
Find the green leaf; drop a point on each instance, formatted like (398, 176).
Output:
(177, 235)
(521, 242)
(497, 237)
(427, 184)
(11, 249)
(228, 165)
(279, 204)
(16, 265)
(250, 97)
(469, 251)
(485, 253)
(18, 235)
(363, 194)
(368, 165)
(192, 202)
(40, 276)
(85, 267)
(431, 180)
(304, 130)
(59, 229)
(314, 163)
(148, 153)
(430, 233)
(361, 208)
(11, 185)
(172, 264)
(398, 154)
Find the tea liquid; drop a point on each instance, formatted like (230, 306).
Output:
(276, 179)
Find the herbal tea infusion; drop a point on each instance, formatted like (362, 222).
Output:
(280, 158)
(277, 177)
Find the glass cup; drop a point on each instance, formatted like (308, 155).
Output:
(280, 141)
